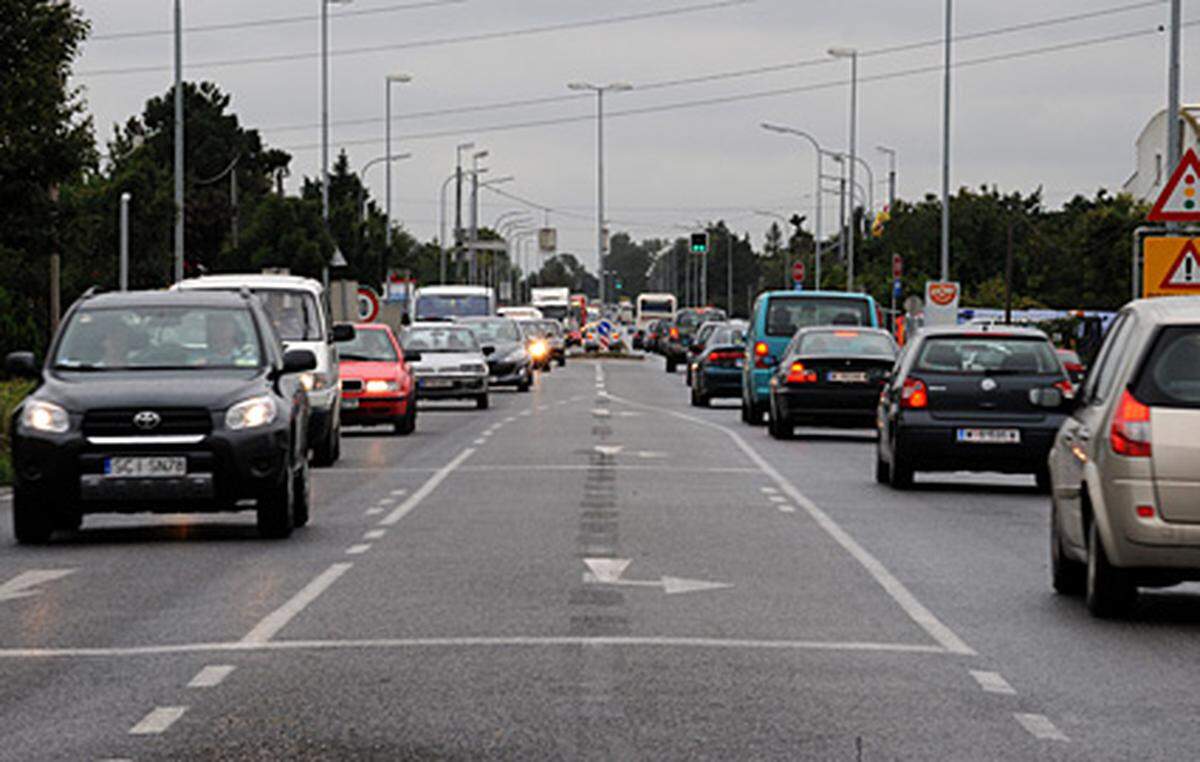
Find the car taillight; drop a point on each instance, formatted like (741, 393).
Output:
(798, 374)
(914, 395)
(1066, 387)
(674, 333)
(1130, 433)
(734, 355)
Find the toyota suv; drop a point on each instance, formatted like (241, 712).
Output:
(161, 402)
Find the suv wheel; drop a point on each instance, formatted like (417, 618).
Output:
(481, 402)
(1068, 577)
(901, 472)
(698, 399)
(670, 365)
(32, 522)
(276, 511)
(407, 423)
(301, 495)
(1110, 592)
(329, 449)
(562, 361)
(883, 472)
(1042, 475)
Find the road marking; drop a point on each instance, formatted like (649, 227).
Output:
(519, 467)
(768, 490)
(158, 721)
(777, 498)
(211, 677)
(608, 571)
(525, 414)
(374, 511)
(786, 508)
(21, 586)
(465, 642)
(651, 455)
(916, 610)
(358, 550)
(609, 450)
(510, 419)
(601, 413)
(480, 441)
(399, 492)
(275, 621)
(375, 534)
(993, 682)
(386, 500)
(428, 487)
(1040, 727)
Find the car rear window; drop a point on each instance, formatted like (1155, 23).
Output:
(1170, 375)
(787, 314)
(841, 343)
(988, 355)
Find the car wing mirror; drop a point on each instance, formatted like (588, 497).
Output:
(298, 361)
(412, 357)
(488, 351)
(22, 365)
(343, 332)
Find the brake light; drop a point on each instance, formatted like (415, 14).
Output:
(914, 395)
(761, 349)
(674, 333)
(846, 334)
(1066, 387)
(798, 374)
(732, 355)
(1130, 433)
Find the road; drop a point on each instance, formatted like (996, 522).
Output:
(593, 570)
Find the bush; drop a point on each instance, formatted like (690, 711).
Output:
(11, 394)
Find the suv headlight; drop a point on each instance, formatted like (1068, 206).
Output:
(45, 416)
(314, 381)
(252, 413)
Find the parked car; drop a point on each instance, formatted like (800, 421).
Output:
(718, 369)
(830, 377)
(161, 402)
(452, 363)
(963, 399)
(510, 363)
(377, 383)
(1125, 466)
(774, 320)
(296, 307)
(681, 331)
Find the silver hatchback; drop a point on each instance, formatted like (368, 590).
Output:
(1125, 466)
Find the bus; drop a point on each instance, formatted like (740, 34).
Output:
(448, 302)
(651, 307)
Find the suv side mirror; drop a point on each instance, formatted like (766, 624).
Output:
(22, 365)
(412, 356)
(298, 361)
(343, 332)
(488, 350)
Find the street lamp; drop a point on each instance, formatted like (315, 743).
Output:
(388, 81)
(891, 154)
(852, 54)
(820, 197)
(325, 123)
(362, 177)
(600, 90)
(178, 141)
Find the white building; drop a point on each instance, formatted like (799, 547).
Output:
(1151, 173)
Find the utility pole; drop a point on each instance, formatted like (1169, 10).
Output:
(1174, 123)
(945, 252)
(179, 140)
(891, 154)
(123, 266)
(852, 54)
(729, 274)
(233, 201)
(55, 265)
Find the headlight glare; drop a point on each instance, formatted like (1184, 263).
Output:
(252, 413)
(376, 385)
(45, 416)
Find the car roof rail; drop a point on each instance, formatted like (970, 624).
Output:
(245, 292)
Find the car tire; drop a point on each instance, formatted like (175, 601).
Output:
(900, 472)
(481, 402)
(329, 449)
(670, 365)
(562, 362)
(1042, 476)
(698, 399)
(688, 375)
(301, 496)
(67, 521)
(777, 428)
(1067, 576)
(32, 520)
(407, 423)
(883, 472)
(1110, 593)
(276, 511)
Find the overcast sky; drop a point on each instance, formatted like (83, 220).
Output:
(1063, 120)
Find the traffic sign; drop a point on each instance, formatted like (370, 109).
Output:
(897, 266)
(1180, 197)
(1171, 267)
(798, 272)
(941, 303)
(368, 305)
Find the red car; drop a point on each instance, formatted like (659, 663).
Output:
(377, 385)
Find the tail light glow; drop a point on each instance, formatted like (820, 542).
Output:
(798, 374)
(914, 395)
(1066, 387)
(1130, 432)
(1145, 511)
(726, 355)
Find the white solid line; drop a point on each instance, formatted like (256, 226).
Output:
(375, 534)
(892, 586)
(374, 511)
(786, 508)
(480, 441)
(517, 468)
(993, 682)
(275, 621)
(358, 550)
(158, 721)
(415, 499)
(1040, 727)
(211, 677)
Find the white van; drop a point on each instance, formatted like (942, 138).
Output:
(297, 308)
(449, 302)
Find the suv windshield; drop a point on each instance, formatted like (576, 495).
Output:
(989, 355)
(787, 314)
(369, 345)
(448, 339)
(143, 338)
(294, 313)
(493, 331)
(846, 343)
(1170, 376)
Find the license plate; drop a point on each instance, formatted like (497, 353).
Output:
(841, 377)
(989, 436)
(349, 403)
(437, 383)
(141, 467)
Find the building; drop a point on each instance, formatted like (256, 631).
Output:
(1151, 172)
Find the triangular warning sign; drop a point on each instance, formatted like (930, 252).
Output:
(1180, 197)
(1185, 272)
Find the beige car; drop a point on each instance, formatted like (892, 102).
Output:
(1125, 467)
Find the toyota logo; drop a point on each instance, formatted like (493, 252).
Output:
(147, 419)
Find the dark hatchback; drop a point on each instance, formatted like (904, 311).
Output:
(971, 400)
(162, 402)
(718, 368)
(830, 377)
(674, 345)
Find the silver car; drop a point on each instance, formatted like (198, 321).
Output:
(1125, 466)
(452, 366)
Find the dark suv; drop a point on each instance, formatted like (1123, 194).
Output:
(677, 342)
(161, 402)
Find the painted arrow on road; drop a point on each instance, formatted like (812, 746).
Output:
(608, 571)
(21, 586)
(609, 450)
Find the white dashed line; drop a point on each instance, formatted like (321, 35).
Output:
(1040, 727)
(375, 534)
(211, 677)
(510, 419)
(275, 621)
(358, 550)
(992, 682)
(768, 490)
(777, 498)
(374, 511)
(786, 508)
(412, 502)
(525, 414)
(158, 721)
(601, 413)
(399, 492)
(386, 500)
(480, 441)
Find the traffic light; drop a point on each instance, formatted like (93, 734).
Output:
(700, 243)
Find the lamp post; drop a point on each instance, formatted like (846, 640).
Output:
(945, 243)
(820, 200)
(837, 157)
(388, 81)
(891, 154)
(362, 174)
(600, 90)
(474, 229)
(852, 54)
(458, 176)
(123, 271)
(178, 141)
(325, 123)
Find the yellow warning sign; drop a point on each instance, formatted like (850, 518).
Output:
(1171, 267)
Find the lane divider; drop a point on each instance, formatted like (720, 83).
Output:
(211, 676)
(158, 721)
(272, 623)
(428, 487)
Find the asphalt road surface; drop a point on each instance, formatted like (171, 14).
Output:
(593, 570)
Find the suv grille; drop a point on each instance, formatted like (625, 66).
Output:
(119, 422)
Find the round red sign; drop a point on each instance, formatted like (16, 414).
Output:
(798, 272)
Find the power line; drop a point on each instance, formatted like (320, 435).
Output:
(679, 105)
(429, 43)
(276, 21)
(734, 74)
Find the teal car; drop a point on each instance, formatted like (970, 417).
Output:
(776, 317)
